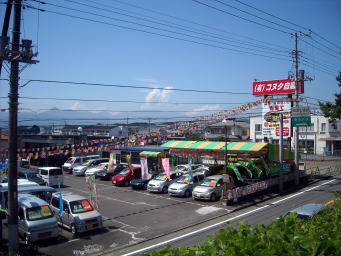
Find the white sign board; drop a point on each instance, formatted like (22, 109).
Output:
(271, 130)
(300, 111)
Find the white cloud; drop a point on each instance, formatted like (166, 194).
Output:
(156, 95)
(204, 108)
(77, 106)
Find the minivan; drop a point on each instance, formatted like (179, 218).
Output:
(80, 169)
(53, 176)
(30, 175)
(36, 220)
(74, 161)
(161, 183)
(78, 214)
(209, 189)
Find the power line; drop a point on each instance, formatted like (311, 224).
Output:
(337, 46)
(321, 50)
(165, 30)
(131, 101)
(136, 87)
(237, 16)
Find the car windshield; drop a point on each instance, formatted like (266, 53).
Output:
(185, 179)
(124, 172)
(87, 163)
(32, 175)
(80, 206)
(39, 213)
(103, 166)
(71, 160)
(209, 182)
(161, 176)
(180, 167)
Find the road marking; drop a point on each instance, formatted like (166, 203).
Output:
(219, 223)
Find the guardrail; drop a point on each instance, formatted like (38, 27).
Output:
(324, 171)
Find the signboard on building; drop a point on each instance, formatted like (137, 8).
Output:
(271, 129)
(275, 87)
(300, 116)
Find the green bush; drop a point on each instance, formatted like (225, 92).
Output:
(286, 236)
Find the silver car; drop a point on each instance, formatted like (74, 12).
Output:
(78, 214)
(160, 183)
(80, 169)
(209, 189)
(36, 219)
(185, 184)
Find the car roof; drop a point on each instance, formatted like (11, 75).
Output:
(68, 196)
(48, 168)
(26, 171)
(308, 209)
(29, 201)
(215, 177)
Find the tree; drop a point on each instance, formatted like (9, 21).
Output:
(194, 136)
(333, 110)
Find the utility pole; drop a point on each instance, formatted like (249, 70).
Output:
(296, 129)
(12, 132)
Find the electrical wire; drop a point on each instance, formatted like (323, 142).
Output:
(165, 30)
(237, 16)
(321, 50)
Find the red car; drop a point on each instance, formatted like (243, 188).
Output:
(125, 176)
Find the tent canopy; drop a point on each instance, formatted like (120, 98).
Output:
(152, 154)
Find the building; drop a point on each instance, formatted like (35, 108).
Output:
(236, 131)
(323, 137)
(95, 130)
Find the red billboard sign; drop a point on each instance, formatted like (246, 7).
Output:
(273, 87)
(285, 131)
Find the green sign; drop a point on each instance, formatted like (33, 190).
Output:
(301, 121)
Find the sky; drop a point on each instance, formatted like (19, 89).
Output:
(174, 44)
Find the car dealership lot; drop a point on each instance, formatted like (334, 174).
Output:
(130, 216)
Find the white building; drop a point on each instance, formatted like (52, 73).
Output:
(323, 137)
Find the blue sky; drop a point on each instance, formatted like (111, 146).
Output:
(82, 51)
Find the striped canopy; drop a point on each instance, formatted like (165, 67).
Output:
(152, 154)
(215, 145)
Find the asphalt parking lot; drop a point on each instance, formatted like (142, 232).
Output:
(130, 216)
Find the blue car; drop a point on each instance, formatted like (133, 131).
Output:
(141, 183)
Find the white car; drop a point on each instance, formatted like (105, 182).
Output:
(97, 169)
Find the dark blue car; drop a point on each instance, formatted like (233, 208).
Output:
(141, 183)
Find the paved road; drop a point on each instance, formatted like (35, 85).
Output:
(262, 213)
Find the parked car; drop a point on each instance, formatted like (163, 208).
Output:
(161, 183)
(107, 174)
(209, 189)
(36, 219)
(78, 214)
(182, 168)
(125, 176)
(95, 170)
(53, 176)
(74, 161)
(80, 169)
(141, 183)
(307, 211)
(31, 176)
(202, 170)
(185, 184)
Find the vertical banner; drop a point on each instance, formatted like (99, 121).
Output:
(91, 183)
(165, 164)
(112, 163)
(61, 205)
(144, 168)
(190, 167)
(128, 157)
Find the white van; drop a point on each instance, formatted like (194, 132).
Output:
(74, 161)
(53, 176)
(36, 219)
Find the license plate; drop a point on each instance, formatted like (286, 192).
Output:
(89, 226)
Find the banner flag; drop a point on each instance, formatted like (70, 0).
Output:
(91, 183)
(144, 168)
(165, 164)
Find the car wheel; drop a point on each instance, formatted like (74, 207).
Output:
(165, 189)
(126, 183)
(73, 229)
(187, 193)
(145, 186)
(213, 197)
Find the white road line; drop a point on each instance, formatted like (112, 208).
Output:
(219, 223)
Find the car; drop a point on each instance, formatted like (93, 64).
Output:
(110, 172)
(209, 189)
(202, 170)
(182, 168)
(31, 176)
(78, 214)
(141, 183)
(80, 169)
(74, 161)
(161, 183)
(307, 211)
(53, 176)
(185, 184)
(95, 170)
(125, 176)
